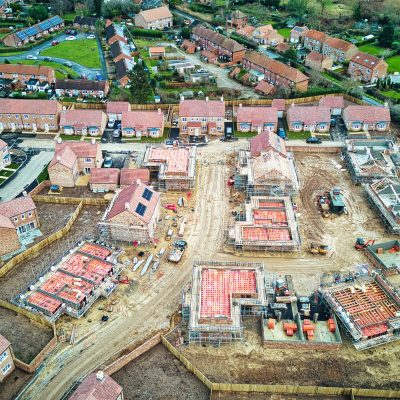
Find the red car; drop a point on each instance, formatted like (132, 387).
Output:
(171, 207)
(55, 42)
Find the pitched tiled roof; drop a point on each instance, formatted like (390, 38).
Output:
(118, 48)
(92, 388)
(133, 195)
(156, 13)
(282, 47)
(276, 67)
(5, 223)
(129, 176)
(75, 150)
(80, 84)
(2, 144)
(112, 30)
(279, 104)
(22, 69)
(157, 49)
(316, 35)
(64, 156)
(4, 344)
(338, 44)
(246, 31)
(299, 29)
(19, 106)
(142, 119)
(332, 101)
(217, 38)
(257, 115)
(315, 56)
(308, 115)
(81, 118)
(117, 107)
(366, 60)
(17, 206)
(122, 68)
(265, 87)
(265, 141)
(366, 114)
(202, 108)
(104, 175)
(187, 44)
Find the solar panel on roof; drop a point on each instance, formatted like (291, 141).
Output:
(31, 31)
(141, 209)
(147, 194)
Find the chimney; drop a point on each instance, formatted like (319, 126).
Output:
(182, 99)
(127, 206)
(93, 141)
(206, 98)
(59, 140)
(24, 193)
(159, 111)
(100, 375)
(58, 158)
(138, 181)
(240, 105)
(222, 98)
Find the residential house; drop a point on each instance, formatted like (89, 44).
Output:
(334, 103)
(209, 56)
(83, 122)
(122, 69)
(29, 115)
(130, 176)
(72, 158)
(367, 68)
(17, 217)
(268, 36)
(236, 19)
(6, 358)
(23, 73)
(366, 118)
(297, 33)
(98, 386)
(264, 88)
(120, 50)
(114, 110)
(282, 48)
(257, 119)
(338, 50)
(104, 179)
(155, 18)
(313, 40)
(89, 23)
(114, 33)
(142, 123)
(157, 52)
(276, 73)
(201, 118)
(280, 105)
(318, 62)
(308, 119)
(132, 215)
(217, 43)
(5, 157)
(81, 88)
(34, 32)
(188, 46)
(267, 141)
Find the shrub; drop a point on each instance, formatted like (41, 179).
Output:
(137, 32)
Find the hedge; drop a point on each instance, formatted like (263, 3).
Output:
(145, 33)
(244, 41)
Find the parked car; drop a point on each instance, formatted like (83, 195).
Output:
(91, 37)
(55, 42)
(116, 133)
(31, 57)
(70, 38)
(313, 140)
(47, 59)
(107, 162)
(282, 133)
(111, 123)
(333, 122)
(169, 142)
(68, 64)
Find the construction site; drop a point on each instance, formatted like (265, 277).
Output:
(266, 224)
(385, 256)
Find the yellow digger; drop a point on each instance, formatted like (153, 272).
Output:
(319, 248)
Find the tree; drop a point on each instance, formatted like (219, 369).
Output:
(357, 10)
(271, 3)
(113, 8)
(185, 33)
(97, 5)
(324, 4)
(38, 12)
(140, 86)
(387, 35)
(299, 8)
(291, 54)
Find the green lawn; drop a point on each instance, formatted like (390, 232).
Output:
(70, 137)
(394, 63)
(44, 175)
(298, 135)
(372, 48)
(82, 51)
(394, 94)
(245, 134)
(6, 173)
(62, 71)
(285, 32)
(13, 166)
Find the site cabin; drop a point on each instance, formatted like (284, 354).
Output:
(6, 359)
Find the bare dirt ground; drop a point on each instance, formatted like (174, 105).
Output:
(10, 388)
(77, 191)
(23, 274)
(28, 339)
(53, 217)
(159, 375)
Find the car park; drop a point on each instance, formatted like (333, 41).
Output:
(313, 140)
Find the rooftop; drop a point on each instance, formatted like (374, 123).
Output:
(104, 175)
(202, 108)
(129, 176)
(332, 102)
(257, 115)
(366, 114)
(315, 35)
(4, 344)
(267, 141)
(217, 38)
(80, 84)
(155, 14)
(17, 206)
(19, 106)
(309, 115)
(81, 118)
(117, 107)
(367, 60)
(142, 120)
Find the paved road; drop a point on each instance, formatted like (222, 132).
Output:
(80, 69)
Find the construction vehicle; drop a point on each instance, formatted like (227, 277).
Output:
(179, 248)
(331, 202)
(361, 244)
(319, 248)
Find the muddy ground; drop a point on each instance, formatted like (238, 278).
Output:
(53, 217)
(28, 339)
(159, 375)
(14, 383)
(77, 191)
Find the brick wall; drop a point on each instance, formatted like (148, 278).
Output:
(62, 176)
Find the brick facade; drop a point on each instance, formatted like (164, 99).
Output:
(6, 358)
(366, 68)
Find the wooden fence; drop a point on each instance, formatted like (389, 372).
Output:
(87, 201)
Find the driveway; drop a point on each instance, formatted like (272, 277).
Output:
(78, 68)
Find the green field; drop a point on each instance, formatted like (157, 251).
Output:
(81, 51)
(394, 94)
(285, 32)
(62, 71)
(298, 135)
(372, 48)
(394, 63)
(245, 134)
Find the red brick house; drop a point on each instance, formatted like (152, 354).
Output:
(257, 119)
(318, 61)
(29, 115)
(72, 159)
(313, 40)
(217, 43)
(83, 122)
(82, 88)
(275, 72)
(17, 217)
(188, 46)
(23, 73)
(267, 142)
(282, 48)
(308, 119)
(236, 19)
(367, 68)
(114, 110)
(142, 123)
(5, 158)
(366, 118)
(267, 35)
(338, 50)
(6, 358)
(104, 179)
(130, 176)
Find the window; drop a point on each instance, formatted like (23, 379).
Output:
(141, 209)
(16, 219)
(26, 116)
(183, 119)
(23, 216)
(3, 356)
(6, 368)
(88, 160)
(30, 214)
(147, 194)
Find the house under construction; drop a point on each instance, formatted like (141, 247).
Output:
(369, 160)
(368, 308)
(269, 225)
(384, 196)
(171, 168)
(220, 295)
(385, 256)
(72, 285)
(266, 168)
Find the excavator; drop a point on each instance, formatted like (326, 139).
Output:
(319, 249)
(361, 244)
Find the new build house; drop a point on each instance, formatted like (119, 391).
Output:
(130, 176)
(23, 73)
(114, 110)
(335, 104)
(5, 158)
(132, 215)
(29, 115)
(17, 217)
(309, 119)
(201, 118)
(275, 72)
(367, 68)
(83, 122)
(72, 159)
(6, 358)
(257, 119)
(142, 123)
(155, 18)
(366, 118)
(104, 179)
(338, 50)
(81, 88)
